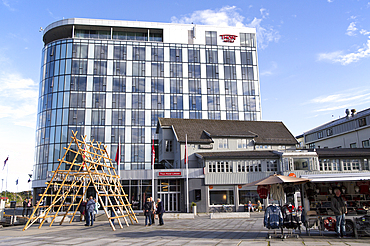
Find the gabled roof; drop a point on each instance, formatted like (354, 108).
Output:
(202, 131)
(239, 154)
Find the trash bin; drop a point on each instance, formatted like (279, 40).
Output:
(12, 204)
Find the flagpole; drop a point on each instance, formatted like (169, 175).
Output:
(119, 158)
(153, 160)
(7, 172)
(187, 173)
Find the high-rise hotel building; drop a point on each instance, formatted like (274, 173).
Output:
(111, 80)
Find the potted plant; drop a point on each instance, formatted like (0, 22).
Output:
(194, 207)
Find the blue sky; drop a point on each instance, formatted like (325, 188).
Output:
(313, 56)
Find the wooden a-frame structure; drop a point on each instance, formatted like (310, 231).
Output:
(83, 165)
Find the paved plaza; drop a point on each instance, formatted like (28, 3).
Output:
(199, 231)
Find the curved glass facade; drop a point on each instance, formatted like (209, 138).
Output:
(109, 89)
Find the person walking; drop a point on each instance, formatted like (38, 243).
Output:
(259, 206)
(148, 212)
(90, 207)
(153, 210)
(340, 209)
(160, 211)
(25, 202)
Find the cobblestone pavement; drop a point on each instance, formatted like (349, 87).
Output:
(198, 231)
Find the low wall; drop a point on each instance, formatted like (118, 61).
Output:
(178, 216)
(230, 215)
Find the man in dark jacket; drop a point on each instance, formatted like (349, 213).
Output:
(25, 202)
(160, 211)
(90, 206)
(340, 209)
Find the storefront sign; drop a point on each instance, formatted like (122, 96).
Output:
(169, 174)
(239, 186)
(228, 38)
(211, 187)
(292, 175)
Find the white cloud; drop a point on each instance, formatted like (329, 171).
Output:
(351, 29)
(341, 100)
(330, 1)
(6, 4)
(345, 59)
(226, 16)
(270, 71)
(364, 32)
(18, 99)
(229, 16)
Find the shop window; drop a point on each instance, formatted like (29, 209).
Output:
(221, 197)
(248, 195)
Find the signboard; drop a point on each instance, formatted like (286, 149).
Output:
(169, 173)
(228, 38)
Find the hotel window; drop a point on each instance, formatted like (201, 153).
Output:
(99, 83)
(247, 39)
(119, 68)
(158, 69)
(176, 70)
(100, 51)
(118, 118)
(362, 122)
(212, 71)
(120, 52)
(211, 56)
(230, 72)
(230, 87)
(138, 85)
(176, 86)
(77, 100)
(176, 102)
(176, 55)
(79, 67)
(194, 86)
(194, 71)
(119, 84)
(138, 117)
(246, 58)
(193, 55)
(138, 69)
(222, 143)
(157, 85)
(98, 117)
(211, 38)
(98, 100)
(365, 144)
(157, 54)
(138, 53)
(118, 100)
(79, 51)
(78, 83)
(138, 135)
(229, 57)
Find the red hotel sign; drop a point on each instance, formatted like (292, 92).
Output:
(169, 174)
(228, 38)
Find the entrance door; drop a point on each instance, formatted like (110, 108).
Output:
(169, 192)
